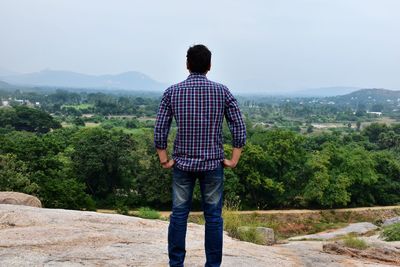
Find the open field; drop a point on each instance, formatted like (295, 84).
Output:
(79, 107)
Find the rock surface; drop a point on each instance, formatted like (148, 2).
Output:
(391, 221)
(358, 228)
(386, 254)
(51, 237)
(17, 198)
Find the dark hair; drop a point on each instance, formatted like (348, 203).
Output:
(198, 58)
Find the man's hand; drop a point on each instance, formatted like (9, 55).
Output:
(169, 164)
(228, 163)
(231, 163)
(163, 156)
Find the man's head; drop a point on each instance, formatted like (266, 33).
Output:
(198, 59)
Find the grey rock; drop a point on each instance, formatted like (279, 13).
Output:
(391, 221)
(357, 228)
(54, 237)
(266, 235)
(16, 198)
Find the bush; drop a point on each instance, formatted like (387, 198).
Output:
(122, 208)
(250, 235)
(65, 194)
(354, 242)
(232, 222)
(391, 232)
(148, 213)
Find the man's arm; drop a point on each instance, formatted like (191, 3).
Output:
(161, 130)
(237, 127)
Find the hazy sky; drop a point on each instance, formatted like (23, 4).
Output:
(256, 45)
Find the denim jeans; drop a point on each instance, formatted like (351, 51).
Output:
(211, 186)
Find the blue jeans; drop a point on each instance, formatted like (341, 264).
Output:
(211, 186)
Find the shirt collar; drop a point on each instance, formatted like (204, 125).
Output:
(195, 75)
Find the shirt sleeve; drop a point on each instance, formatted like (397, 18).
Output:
(163, 121)
(235, 120)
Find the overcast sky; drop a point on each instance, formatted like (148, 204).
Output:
(256, 45)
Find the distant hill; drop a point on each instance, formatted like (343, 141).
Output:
(370, 99)
(374, 95)
(4, 85)
(324, 91)
(128, 80)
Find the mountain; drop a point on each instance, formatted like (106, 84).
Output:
(128, 80)
(370, 99)
(324, 91)
(371, 95)
(4, 85)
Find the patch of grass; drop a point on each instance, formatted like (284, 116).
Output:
(250, 235)
(232, 219)
(232, 222)
(148, 213)
(354, 242)
(391, 232)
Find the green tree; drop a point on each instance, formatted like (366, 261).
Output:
(340, 175)
(14, 176)
(374, 130)
(103, 160)
(260, 190)
(386, 190)
(34, 120)
(8, 116)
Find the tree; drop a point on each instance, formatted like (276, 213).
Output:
(14, 176)
(260, 189)
(358, 125)
(340, 175)
(33, 120)
(310, 128)
(78, 121)
(324, 188)
(374, 130)
(284, 160)
(7, 117)
(65, 193)
(102, 160)
(386, 190)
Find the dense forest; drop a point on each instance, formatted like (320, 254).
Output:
(80, 150)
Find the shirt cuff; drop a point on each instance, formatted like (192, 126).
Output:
(160, 145)
(238, 143)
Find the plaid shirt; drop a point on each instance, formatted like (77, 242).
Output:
(198, 106)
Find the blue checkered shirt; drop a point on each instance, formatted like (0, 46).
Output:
(198, 106)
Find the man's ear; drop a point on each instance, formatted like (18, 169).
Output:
(187, 65)
(209, 67)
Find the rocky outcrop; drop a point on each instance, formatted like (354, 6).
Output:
(17, 198)
(55, 237)
(356, 228)
(381, 254)
(391, 221)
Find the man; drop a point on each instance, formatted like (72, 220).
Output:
(198, 106)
